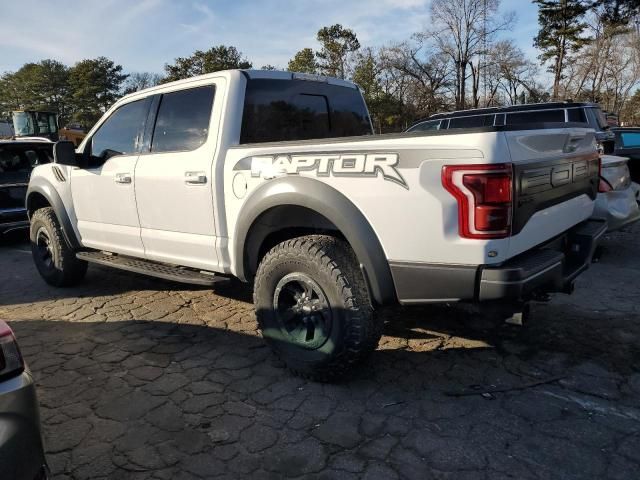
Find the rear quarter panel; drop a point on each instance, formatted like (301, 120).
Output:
(414, 218)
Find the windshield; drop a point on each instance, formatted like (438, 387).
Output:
(34, 123)
(426, 126)
(23, 124)
(597, 118)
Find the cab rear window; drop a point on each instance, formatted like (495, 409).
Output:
(281, 110)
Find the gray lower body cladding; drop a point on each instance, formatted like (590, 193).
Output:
(552, 267)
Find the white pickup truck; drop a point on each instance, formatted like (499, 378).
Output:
(276, 179)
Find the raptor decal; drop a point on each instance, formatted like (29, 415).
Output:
(324, 165)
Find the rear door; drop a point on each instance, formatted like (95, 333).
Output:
(174, 178)
(16, 162)
(555, 180)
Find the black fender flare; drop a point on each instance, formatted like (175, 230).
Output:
(335, 207)
(43, 187)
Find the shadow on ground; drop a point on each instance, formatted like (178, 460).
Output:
(141, 378)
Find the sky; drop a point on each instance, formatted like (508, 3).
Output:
(144, 35)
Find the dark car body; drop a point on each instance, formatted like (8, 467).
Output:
(627, 144)
(17, 160)
(579, 113)
(21, 448)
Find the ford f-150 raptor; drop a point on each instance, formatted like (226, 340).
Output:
(275, 178)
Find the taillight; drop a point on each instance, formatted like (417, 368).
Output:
(603, 185)
(11, 362)
(485, 198)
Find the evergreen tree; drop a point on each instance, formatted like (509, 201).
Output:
(560, 34)
(304, 61)
(38, 86)
(337, 43)
(95, 84)
(215, 59)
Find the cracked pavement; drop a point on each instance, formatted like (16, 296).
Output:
(140, 378)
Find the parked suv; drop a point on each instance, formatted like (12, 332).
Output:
(535, 113)
(17, 160)
(628, 145)
(276, 178)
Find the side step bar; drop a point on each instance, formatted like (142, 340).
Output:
(150, 268)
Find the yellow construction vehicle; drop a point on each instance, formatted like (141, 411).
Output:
(41, 124)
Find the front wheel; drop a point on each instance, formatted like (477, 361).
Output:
(313, 307)
(54, 258)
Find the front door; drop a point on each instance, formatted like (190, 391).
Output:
(174, 184)
(103, 191)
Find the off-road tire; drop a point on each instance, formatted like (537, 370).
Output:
(60, 268)
(331, 264)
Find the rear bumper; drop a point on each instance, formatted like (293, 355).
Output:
(545, 269)
(552, 267)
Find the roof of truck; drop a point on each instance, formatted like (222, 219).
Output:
(249, 74)
(512, 108)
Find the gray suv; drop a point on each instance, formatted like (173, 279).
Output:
(588, 114)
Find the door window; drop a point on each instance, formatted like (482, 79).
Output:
(535, 116)
(475, 121)
(183, 120)
(630, 139)
(120, 134)
(576, 115)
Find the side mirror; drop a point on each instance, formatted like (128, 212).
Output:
(64, 153)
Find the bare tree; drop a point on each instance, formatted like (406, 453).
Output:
(462, 29)
(426, 76)
(509, 74)
(141, 80)
(608, 68)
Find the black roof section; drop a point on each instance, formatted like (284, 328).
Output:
(512, 108)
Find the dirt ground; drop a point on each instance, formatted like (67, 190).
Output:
(141, 378)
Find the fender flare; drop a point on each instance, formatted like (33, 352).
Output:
(43, 187)
(335, 207)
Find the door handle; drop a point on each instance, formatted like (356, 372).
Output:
(195, 178)
(123, 178)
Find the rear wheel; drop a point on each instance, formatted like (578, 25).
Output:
(54, 258)
(313, 307)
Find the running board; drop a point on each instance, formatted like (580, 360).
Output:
(152, 269)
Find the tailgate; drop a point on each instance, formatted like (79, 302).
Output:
(555, 183)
